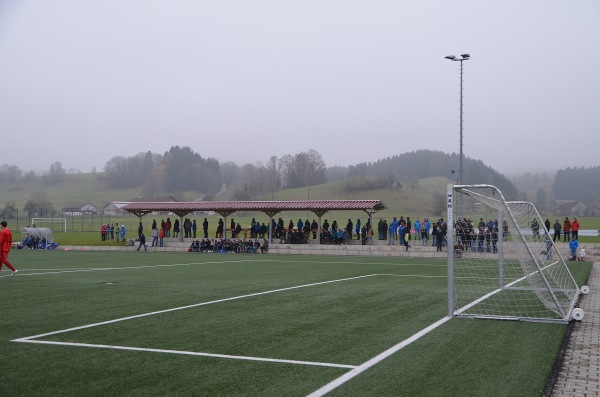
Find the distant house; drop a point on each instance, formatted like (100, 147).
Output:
(576, 208)
(114, 208)
(72, 210)
(89, 209)
(80, 209)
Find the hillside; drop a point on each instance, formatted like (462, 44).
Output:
(87, 188)
(73, 189)
(420, 202)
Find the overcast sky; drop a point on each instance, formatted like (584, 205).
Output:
(82, 81)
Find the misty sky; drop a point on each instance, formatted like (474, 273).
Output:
(82, 81)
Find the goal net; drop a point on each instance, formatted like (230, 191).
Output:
(502, 262)
(55, 224)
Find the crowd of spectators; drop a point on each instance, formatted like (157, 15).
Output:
(229, 246)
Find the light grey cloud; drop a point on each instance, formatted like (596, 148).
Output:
(83, 81)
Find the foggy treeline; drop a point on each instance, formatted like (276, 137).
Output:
(181, 169)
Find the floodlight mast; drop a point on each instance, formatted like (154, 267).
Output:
(463, 57)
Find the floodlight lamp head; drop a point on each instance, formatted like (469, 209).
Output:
(465, 56)
(450, 57)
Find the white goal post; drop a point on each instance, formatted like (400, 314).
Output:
(55, 224)
(502, 262)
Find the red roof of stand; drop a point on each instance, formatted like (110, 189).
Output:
(269, 207)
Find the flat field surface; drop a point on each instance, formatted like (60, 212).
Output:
(77, 323)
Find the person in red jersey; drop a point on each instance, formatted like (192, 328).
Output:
(5, 242)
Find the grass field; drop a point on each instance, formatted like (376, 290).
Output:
(80, 323)
(86, 230)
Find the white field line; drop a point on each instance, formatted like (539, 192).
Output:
(375, 360)
(103, 269)
(188, 353)
(411, 275)
(41, 272)
(30, 338)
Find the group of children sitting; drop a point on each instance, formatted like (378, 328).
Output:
(227, 245)
(34, 242)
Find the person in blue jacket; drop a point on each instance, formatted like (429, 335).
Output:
(573, 244)
(392, 232)
(123, 231)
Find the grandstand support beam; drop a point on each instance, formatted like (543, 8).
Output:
(140, 213)
(272, 213)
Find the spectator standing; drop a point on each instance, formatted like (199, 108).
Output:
(220, 228)
(384, 229)
(314, 227)
(548, 247)
(176, 228)
(140, 230)
(194, 228)
(205, 228)
(155, 237)
(557, 228)
(566, 229)
(417, 229)
(117, 231)
(535, 229)
(575, 229)
(168, 228)
(437, 233)
(392, 232)
(427, 225)
(123, 232)
(349, 226)
(161, 236)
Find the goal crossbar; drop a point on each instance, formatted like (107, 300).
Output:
(61, 222)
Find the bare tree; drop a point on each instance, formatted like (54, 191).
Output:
(286, 165)
(55, 174)
(38, 204)
(10, 209)
(10, 173)
(230, 173)
(315, 174)
(273, 175)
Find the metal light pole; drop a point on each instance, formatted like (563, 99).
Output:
(463, 57)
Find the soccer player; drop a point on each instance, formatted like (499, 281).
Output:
(5, 242)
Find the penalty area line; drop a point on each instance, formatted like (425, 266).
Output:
(190, 306)
(189, 353)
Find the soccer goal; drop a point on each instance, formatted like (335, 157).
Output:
(502, 262)
(55, 224)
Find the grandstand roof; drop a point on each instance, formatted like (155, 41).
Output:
(271, 208)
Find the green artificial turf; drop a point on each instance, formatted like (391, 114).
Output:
(299, 309)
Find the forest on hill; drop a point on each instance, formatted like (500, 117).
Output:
(153, 176)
